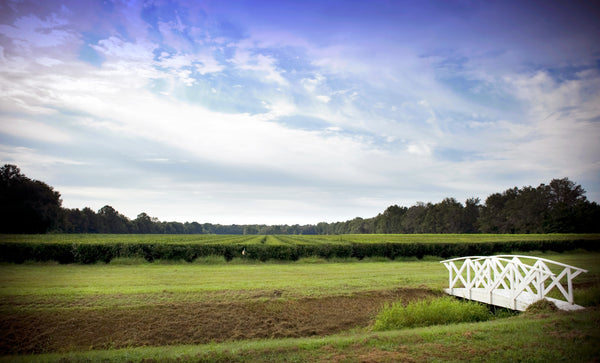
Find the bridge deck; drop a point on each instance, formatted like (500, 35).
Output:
(501, 297)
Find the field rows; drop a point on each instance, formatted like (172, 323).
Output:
(131, 238)
(289, 239)
(93, 248)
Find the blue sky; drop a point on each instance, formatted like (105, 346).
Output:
(297, 112)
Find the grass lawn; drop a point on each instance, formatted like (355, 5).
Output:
(107, 284)
(311, 310)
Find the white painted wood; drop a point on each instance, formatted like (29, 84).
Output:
(508, 282)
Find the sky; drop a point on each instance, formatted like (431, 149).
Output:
(297, 112)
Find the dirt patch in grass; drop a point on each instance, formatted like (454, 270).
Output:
(267, 316)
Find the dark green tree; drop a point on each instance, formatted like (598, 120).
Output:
(568, 208)
(493, 218)
(112, 221)
(144, 224)
(414, 217)
(391, 220)
(26, 206)
(443, 217)
(471, 215)
(526, 210)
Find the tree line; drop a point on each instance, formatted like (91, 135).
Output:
(32, 206)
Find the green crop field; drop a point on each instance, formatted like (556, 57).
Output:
(131, 238)
(312, 309)
(465, 238)
(92, 248)
(287, 239)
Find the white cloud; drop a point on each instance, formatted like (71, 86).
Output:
(114, 98)
(419, 149)
(117, 48)
(182, 65)
(31, 129)
(264, 66)
(31, 31)
(37, 164)
(561, 134)
(171, 36)
(323, 98)
(175, 61)
(48, 62)
(203, 62)
(206, 64)
(311, 84)
(379, 123)
(315, 87)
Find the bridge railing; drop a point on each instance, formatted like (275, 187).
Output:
(511, 275)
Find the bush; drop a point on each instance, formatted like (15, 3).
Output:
(89, 253)
(445, 310)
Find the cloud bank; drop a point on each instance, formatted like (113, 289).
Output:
(286, 113)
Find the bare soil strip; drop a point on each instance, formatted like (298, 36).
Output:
(270, 316)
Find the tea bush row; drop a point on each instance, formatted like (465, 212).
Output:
(105, 252)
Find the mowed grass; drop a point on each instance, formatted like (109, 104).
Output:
(38, 287)
(63, 285)
(139, 284)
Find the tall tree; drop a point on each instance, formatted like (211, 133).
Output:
(493, 217)
(413, 219)
(471, 215)
(391, 220)
(525, 212)
(112, 221)
(26, 206)
(569, 209)
(444, 217)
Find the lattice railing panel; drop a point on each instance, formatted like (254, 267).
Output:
(510, 274)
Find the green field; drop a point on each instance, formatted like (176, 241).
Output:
(97, 238)
(308, 310)
(93, 248)
(287, 239)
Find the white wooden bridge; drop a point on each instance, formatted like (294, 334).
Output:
(508, 282)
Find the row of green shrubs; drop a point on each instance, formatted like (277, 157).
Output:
(105, 252)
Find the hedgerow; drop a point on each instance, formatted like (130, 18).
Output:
(87, 253)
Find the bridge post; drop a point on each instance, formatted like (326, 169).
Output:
(450, 281)
(569, 287)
